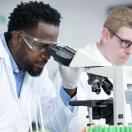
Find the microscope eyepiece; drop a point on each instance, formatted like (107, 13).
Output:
(63, 55)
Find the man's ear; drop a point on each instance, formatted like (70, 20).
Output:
(105, 34)
(16, 39)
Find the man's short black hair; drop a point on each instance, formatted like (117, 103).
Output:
(28, 15)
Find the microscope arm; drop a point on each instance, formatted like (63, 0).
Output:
(69, 57)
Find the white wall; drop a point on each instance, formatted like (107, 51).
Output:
(81, 23)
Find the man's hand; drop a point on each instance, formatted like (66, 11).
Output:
(70, 77)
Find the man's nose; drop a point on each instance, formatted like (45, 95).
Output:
(45, 55)
(129, 50)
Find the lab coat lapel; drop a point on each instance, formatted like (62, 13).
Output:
(24, 99)
(9, 71)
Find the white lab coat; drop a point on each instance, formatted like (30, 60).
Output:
(16, 113)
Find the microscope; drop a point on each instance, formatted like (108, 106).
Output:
(114, 110)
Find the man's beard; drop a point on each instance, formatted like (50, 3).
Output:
(27, 65)
(32, 71)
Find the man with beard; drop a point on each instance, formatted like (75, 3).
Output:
(25, 87)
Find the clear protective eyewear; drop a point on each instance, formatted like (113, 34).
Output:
(124, 43)
(36, 44)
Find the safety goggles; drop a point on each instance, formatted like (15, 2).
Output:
(124, 43)
(35, 44)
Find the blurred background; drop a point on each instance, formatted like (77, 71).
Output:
(82, 21)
